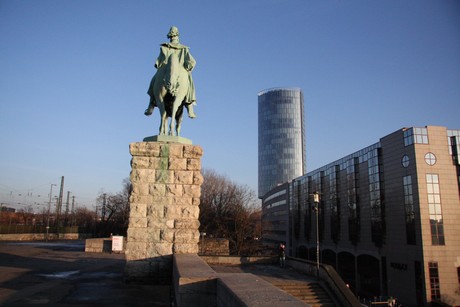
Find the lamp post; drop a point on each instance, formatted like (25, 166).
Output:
(49, 208)
(316, 208)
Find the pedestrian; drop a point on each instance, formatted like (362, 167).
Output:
(282, 255)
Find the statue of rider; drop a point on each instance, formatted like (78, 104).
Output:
(186, 60)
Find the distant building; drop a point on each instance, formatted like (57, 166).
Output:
(388, 220)
(281, 137)
(4, 208)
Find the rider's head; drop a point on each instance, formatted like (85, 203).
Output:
(173, 32)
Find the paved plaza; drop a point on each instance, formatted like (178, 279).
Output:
(62, 274)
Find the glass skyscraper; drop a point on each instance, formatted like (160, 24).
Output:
(281, 137)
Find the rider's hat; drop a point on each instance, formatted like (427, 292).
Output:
(174, 31)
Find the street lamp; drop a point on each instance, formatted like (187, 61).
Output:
(316, 209)
(49, 208)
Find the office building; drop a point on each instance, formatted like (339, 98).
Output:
(388, 218)
(281, 137)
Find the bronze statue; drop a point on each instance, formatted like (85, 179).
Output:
(172, 87)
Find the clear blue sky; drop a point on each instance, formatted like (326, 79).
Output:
(74, 75)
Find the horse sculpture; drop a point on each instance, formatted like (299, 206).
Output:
(169, 88)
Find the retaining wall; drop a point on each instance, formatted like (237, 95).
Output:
(197, 284)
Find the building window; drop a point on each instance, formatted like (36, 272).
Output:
(434, 281)
(430, 158)
(405, 161)
(354, 216)
(334, 205)
(415, 136)
(409, 210)
(435, 209)
(376, 199)
(453, 139)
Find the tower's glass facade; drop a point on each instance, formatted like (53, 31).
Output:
(281, 137)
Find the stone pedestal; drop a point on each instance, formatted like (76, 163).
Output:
(164, 208)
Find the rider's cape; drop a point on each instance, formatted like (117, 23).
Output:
(185, 58)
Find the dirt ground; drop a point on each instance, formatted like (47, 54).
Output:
(62, 274)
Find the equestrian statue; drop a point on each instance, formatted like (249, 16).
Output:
(172, 87)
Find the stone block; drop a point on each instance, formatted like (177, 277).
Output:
(170, 223)
(147, 175)
(157, 189)
(193, 164)
(135, 250)
(155, 211)
(142, 199)
(135, 176)
(181, 201)
(185, 248)
(141, 189)
(164, 176)
(155, 223)
(183, 177)
(144, 149)
(137, 222)
(137, 210)
(197, 178)
(196, 201)
(186, 236)
(192, 190)
(140, 162)
(167, 235)
(177, 164)
(174, 190)
(159, 249)
(186, 224)
(192, 151)
(190, 212)
(175, 150)
(158, 163)
(172, 211)
(164, 149)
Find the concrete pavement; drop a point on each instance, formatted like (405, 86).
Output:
(62, 274)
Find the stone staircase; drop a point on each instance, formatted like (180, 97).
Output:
(310, 293)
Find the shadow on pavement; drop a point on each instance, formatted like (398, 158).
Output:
(61, 273)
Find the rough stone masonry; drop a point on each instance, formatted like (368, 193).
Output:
(164, 208)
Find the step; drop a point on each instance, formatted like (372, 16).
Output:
(309, 293)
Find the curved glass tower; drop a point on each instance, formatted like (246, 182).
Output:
(281, 137)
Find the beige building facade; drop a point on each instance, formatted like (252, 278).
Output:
(388, 218)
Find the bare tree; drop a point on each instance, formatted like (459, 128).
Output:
(225, 210)
(84, 217)
(116, 210)
(26, 214)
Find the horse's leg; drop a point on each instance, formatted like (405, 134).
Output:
(163, 124)
(172, 124)
(178, 125)
(163, 117)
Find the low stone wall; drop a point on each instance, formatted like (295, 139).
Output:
(237, 260)
(214, 246)
(194, 281)
(41, 236)
(101, 245)
(197, 284)
(98, 245)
